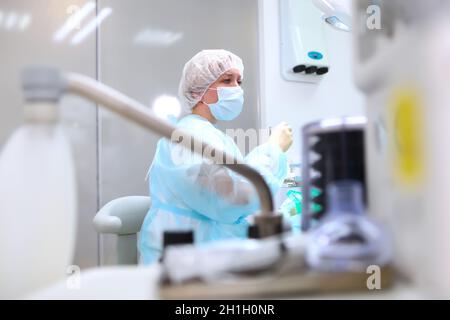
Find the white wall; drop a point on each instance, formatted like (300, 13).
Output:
(300, 103)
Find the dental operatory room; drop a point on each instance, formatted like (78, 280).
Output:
(224, 150)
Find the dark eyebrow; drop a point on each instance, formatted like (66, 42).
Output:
(229, 74)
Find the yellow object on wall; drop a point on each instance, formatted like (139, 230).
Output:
(407, 135)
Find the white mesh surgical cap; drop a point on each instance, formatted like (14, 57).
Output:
(202, 70)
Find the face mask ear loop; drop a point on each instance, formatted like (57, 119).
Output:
(209, 88)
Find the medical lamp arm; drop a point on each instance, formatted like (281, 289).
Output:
(138, 113)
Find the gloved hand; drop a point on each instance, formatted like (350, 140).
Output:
(281, 136)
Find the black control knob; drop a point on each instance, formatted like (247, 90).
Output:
(321, 71)
(311, 70)
(299, 69)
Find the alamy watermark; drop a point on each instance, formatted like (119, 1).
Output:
(211, 148)
(73, 281)
(373, 21)
(374, 280)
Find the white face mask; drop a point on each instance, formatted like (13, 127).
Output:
(229, 104)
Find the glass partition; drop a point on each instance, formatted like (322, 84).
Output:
(138, 47)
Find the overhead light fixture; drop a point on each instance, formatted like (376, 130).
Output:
(166, 107)
(157, 38)
(87, 30)
(24, 22)
(73, 21)
(336, 13)
(11, 20)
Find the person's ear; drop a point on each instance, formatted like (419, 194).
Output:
(195, 95)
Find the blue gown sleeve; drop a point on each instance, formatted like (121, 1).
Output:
(211, 190)
(271, 162)
(214, 191)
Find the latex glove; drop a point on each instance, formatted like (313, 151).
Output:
(282, 136)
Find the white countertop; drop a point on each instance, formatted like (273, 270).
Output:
(141, 283)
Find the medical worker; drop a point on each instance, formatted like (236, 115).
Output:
(195, 194)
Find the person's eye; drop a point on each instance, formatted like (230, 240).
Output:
(226, 80)
(239, 82)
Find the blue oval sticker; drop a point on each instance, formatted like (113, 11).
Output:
(315, 55)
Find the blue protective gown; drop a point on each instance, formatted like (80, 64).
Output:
(198, 195)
